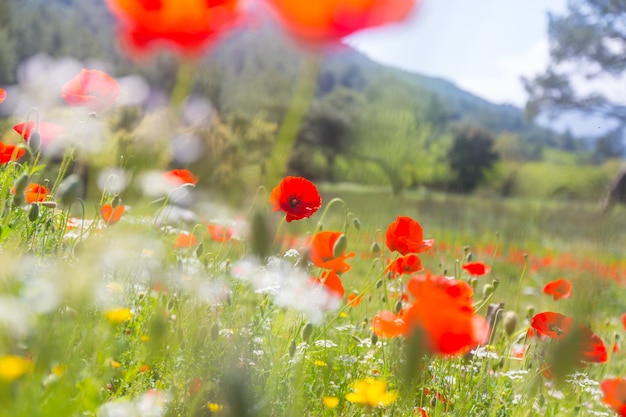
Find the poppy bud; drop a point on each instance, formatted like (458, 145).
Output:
(510, 322)
(375, 247)
(199, 250)
(215, 331)
(495, 283)
(397, 307)
(307, 330)
(260, 237)
(20, 184)
(374, 338)
(473, 282)
(116, 201)
(487, 290)
(530, 312)
(379, 283)
(292, 349)
(35, 141)
(49, 204)
(69, 189)
(357, 223)
(33, 214)
(340, 246)
(468, 257)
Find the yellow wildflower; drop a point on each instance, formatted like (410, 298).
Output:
(214, 407)
(319, 363)
(371, 392)
(118, 315)
(12, 367)
(330, 402)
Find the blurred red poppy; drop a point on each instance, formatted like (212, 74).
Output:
(34, 193)
(47, 131)
(331, 281)
(614, 391)
(624, 320)
(178, 177)
(476, 268)
(322, 252)
(110, 214)
(550, 324)
(354, 300)
(297, 197)
(185, 240)
(220, 233)
(386, 324)
(10, 153)
(92, 89)
(557, 326)
(560, 288)
(405, 265)
(405, 235)
(443, 310)
(328, 21)
(188, 26)
(3, 95)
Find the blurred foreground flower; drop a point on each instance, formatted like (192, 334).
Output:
(443, 310)
(188, 26)
(476, 268)
(178, 177)
(327, 21)
(93, 89)
(372, 393)
(118, 315)
(297, 197)
(110, 214)
(614, 391)
(12, 367)
(3, 95)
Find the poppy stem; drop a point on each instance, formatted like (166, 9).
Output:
(290, 127)
(184, 84)
(330, 203)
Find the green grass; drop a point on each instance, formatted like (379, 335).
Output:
(212, 344)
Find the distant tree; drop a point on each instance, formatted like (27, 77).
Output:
(470, 157)
(608, 146)
(586, 44)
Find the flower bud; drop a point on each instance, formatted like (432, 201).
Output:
(116, 201)
(357, 223)
(33, 214)
(340, 246)
(375, 248)
(215, 331)
(397, 307)
(379, 283)
(374, 338)
(292, 349)
(69, 189)
(530, 312)
(35, 141)
(495, 283)
(510, 322)
(21, 183)
(307, 330)
(487, 290)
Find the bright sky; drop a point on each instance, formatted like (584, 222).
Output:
(483, 46)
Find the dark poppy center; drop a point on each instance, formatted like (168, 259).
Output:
(293, 202)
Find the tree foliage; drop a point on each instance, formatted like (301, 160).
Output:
(471, 157)
(587, 44)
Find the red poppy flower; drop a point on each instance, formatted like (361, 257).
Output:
(47, 131)
(560, 288)
(220, 233)
(550, 324)
(386, 324)
(354, 300)
(476, 268)
(185, 240)
(624, 320)
(325, 21)
(93, 89)
(322, 252)
(10, 153)
(614, 391)
(557, 326)
(405, 265)
(331, 281)
(111, 215)
(405, 235)
(34, 193)
(188, 26)
(178, 177)
(3, 95)
(297, 197)
(444, 311)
